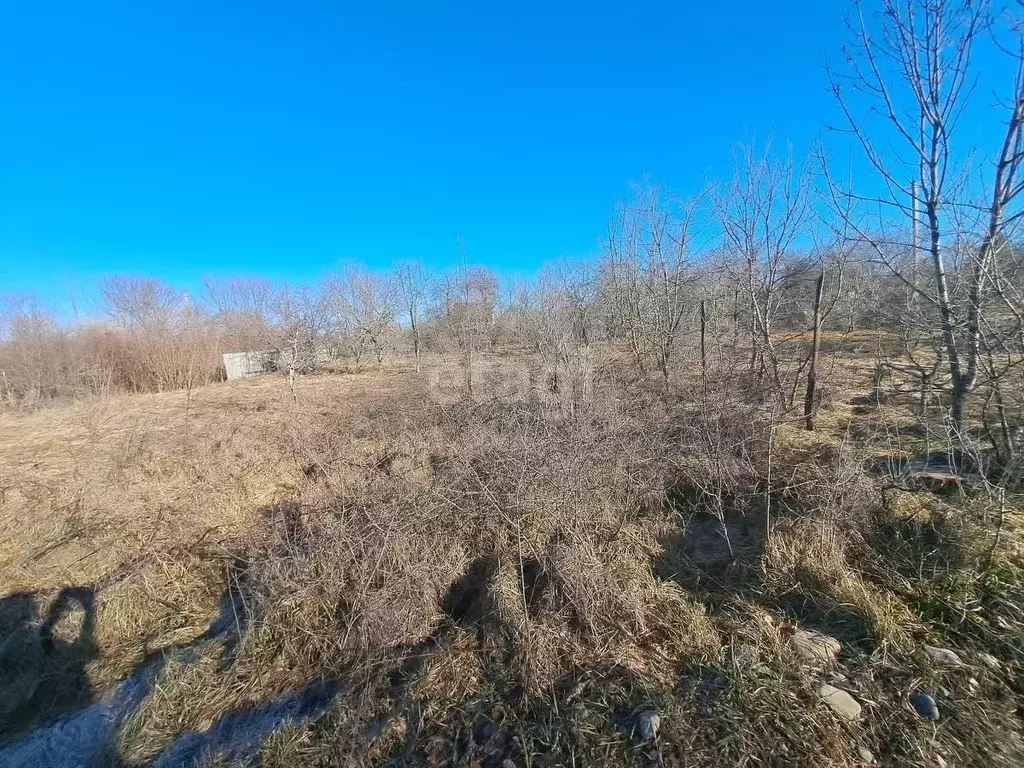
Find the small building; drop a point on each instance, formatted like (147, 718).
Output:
(240, 365)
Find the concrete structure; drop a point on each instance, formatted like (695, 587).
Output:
(240, 365)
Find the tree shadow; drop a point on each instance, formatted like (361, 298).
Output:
(232, 619)
(918, 547)
(867, 404)
(915, 431)
(468, 604)
(839, 621)
(715, 557)
(945, 471)
(721, 559)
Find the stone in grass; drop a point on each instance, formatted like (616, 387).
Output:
(924, 705)
(815, 647)
(647, 724)
(842, 703)
(988, 660)
(866, 755)
(943, 656)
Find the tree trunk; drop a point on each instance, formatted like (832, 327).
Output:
(812, 373)
(961, 384)
(704, 348)
(415, 340)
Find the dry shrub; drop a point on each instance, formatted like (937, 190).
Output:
(351, 580)
(564, 498)
(46, 362)
(491, 562)
(524, 555)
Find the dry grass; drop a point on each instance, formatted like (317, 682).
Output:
(145, 497)
(405, 576)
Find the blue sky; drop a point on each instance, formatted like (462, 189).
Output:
(191, 138)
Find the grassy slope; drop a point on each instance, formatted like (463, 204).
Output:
(516, 581)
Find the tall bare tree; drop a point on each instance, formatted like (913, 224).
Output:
(646, 273)
(138, 302)
(763, 212)
(366, 301)
(305, 322)
(412, 287)
(909, 78)
(244, 310)
(466, 307)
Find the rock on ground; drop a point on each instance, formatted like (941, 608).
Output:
(943, 656)
(815, 647)
(924, 705)
(988, 660)
(841, 702)
(647, 725)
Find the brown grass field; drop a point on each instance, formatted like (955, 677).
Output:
(378, 570)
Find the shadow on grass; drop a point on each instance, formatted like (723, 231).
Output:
(49, 688)
(236, 736)
(719, 560)
(85, 732)
(715, 557)
(918, 546)
(839, 621)
(43, 665)
(54, 689)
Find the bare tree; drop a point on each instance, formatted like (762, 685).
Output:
(137, 302)
(646, 273)
(366, 301)
(244, 311)
(32, 366)
(909, 81)
(466, 307)
(763, 212)
(413, 287)
(305, 323)
(173, 346)
(812, 371)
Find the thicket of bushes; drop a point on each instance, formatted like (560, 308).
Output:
(151, 337)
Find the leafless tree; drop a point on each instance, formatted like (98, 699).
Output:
(244, 311)
(909, 78)
(305, 324)
(413, 286)
(30, 355)
(466, 311)
(365, 302)
(173, 346)
(556, 322)
(646, 274)
(137, 302)
(763, 212)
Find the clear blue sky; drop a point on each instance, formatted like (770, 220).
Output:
(185, 138)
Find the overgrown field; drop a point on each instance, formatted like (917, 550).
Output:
(383, 568)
